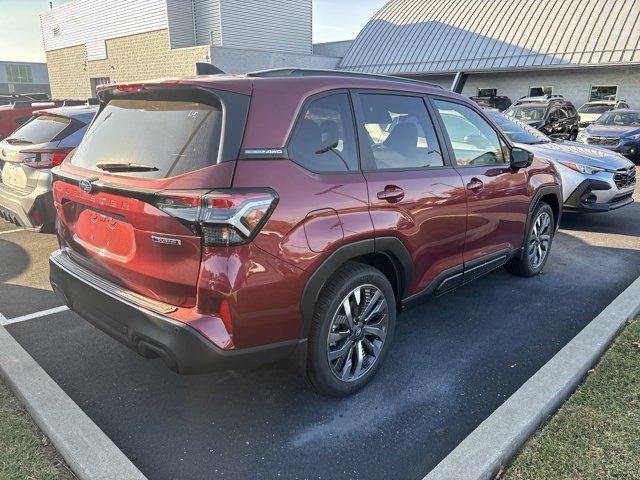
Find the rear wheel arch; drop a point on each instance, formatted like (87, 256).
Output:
(387, 254)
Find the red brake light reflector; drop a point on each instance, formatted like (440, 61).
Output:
(225, 315)
(130, 88)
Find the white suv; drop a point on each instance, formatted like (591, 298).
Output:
(591, 111)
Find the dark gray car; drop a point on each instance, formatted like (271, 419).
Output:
(26, 159)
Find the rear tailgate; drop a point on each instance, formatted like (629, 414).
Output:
(116, 220)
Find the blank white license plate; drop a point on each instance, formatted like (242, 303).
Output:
(10, 173)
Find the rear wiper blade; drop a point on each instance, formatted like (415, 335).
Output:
(125, 167)
(14, 141)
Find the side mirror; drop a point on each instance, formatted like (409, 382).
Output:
(520, 158)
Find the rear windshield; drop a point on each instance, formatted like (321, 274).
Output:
(175, 137)
(41, 129)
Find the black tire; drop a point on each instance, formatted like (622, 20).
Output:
(573, 136)
(522, 265)
(320, 371)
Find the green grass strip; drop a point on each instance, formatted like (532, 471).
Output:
(596, 434)
(25, 453)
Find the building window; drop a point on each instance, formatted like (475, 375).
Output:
(487, 92)
(98, 81)
(19, 73)
(56, 31)
(540, 91)
(603, 92)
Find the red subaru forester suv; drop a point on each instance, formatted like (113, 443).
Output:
(220, 221)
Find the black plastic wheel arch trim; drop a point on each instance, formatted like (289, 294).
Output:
(392, 247)
(543, 191)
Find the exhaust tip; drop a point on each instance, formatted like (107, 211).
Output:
(151, 351)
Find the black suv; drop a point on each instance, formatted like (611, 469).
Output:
(551, 114)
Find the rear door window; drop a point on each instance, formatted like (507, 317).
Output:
(41, 129)
(397, 133)
(175, 137)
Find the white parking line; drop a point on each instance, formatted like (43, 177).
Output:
(9, 321)
(13, 231)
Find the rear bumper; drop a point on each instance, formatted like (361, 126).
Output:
(146, 330)
(18, 209)
(584, 199)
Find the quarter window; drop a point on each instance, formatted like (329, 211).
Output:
(473, 139)
(324, 140)
(397, 132)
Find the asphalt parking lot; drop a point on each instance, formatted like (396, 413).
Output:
(455, 359)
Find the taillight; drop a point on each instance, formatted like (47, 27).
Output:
(45, 157)
(130, 88)
(222, 217)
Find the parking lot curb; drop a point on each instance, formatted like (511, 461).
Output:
(499, 437)
(86, 449)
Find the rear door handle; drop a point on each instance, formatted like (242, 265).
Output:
(475, 185)
(391, 193)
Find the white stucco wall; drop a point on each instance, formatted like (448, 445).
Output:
(574, 84)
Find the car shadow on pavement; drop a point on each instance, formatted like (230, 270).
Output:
(602, 222)
(18, 299)
(15, 260)
(455, 359)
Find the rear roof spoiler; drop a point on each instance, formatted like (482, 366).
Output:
(207, 69)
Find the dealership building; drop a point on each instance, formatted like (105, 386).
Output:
(92, 42)
(23, 77)
(580, 49)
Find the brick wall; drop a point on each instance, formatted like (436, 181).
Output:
(129, 59)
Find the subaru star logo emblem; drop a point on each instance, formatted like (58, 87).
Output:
(85, 185)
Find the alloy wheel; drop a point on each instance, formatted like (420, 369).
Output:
(539, 240)
(357, 333)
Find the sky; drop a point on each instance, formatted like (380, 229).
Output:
(20, 32)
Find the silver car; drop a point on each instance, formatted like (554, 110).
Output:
(27, 157)
(593, 179)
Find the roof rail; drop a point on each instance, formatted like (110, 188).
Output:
(304, 72)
